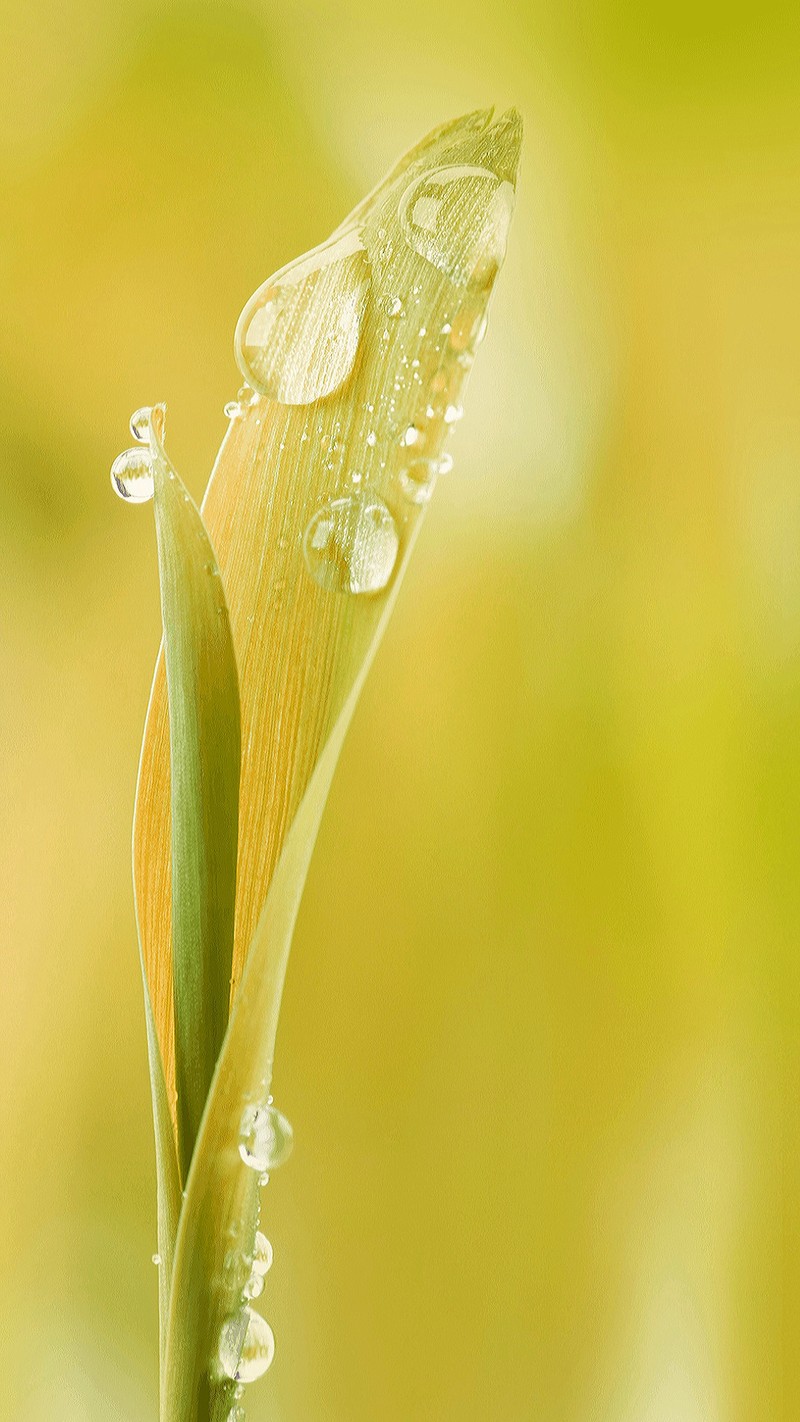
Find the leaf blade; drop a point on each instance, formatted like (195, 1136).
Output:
(204, 739)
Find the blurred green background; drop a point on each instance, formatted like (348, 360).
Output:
(540, 1033)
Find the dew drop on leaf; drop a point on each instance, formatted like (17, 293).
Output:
(262, 1254)
(246, 1346)
(418, 480)
(140, 424)
(265, 1138)
(254, 1286)
(297, 338)
(457, 218)
(351, 544)
(132, 476)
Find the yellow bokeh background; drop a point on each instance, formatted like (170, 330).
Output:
(539, 1040)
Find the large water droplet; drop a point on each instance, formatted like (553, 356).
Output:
(351, 544)
(458, 219)
(132, 476)
(265, 1138)
(246, 1346)
(297, 337)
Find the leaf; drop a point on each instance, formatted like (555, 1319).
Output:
(167, 1180)
(204, 740)
(313, 509)
(298, 648)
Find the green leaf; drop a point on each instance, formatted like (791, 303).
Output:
(203, 696)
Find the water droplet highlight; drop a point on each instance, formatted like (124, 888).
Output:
(394, 306)
(457, 218)
(453, 414)
(232, 410)
(246, 1346)
(265, 1138)
(298, 335)
(351, 544)
(412, 435)
(132, 476)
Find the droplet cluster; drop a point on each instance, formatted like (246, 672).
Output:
(132, 471)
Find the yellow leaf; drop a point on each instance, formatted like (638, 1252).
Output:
(355, 355)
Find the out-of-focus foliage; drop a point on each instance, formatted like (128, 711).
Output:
(546, 1157)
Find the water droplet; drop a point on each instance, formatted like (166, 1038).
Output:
(444, 464)
(297, 337)
(418, 480)
(132, 476)
(351, 544)
(457, 218)
(262, 1254)
(156, 1259)
(246, 1346)
(394, 306)
(236, 1414)
(254, 1286)
(372, 439)
(232, 409)
(411, 435)
(453, 414)
(266, 1138)
(140, 422)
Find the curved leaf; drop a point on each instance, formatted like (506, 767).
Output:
(433, 235)
(204, 738)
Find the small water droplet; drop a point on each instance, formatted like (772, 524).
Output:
(412, 435)
(254, 1286)
(351, 544)
(262, 1254)
(140, 422)
(372, 439)
(418, 480)
(132, 476)
(265, 1138)
(298, 335)
(156, 1259)
(394, 306)
(444, 463)
(246, 1346)
(453, 414)
(457, 218)
(236, 1414)
(232, 409)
